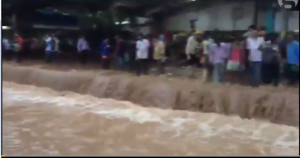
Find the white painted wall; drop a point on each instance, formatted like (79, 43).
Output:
(144, 30)
(220, 16)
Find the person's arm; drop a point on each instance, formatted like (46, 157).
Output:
(187, 48)
(243, 56)
(47, 39)
(137, 45)
(102, 47)
(296, 49)
(78, 45)
(226, 48)
(277, 51)
(162, 50)
(211, 53)
(144, 45)
(246, 34)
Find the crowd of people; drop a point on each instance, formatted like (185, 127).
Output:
(267, 59)
(255, 53)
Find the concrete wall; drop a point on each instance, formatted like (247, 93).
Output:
(222, 17)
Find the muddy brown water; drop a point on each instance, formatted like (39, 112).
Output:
(76, 112)
(41, 121)
(277, 105)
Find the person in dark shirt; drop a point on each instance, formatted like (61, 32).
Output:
(271, 62)
(131, 49)
(120, 52)
(105, 54)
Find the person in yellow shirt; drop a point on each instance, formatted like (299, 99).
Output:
(159, 55)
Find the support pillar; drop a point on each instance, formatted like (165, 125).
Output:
(255, 14)
(14, 22)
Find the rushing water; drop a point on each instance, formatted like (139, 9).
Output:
(39, 121)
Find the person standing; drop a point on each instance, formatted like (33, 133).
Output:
(120, 52)
(159, 54)
(6, 49)
(270, 62)
(190, 49)
(83, 50)
(49, 50)
(142, 54)
(105, 54)
(19, 45)
(56, 45)
(292, 62)
(254, 44)
(249, 34)
(207, 68)
(131, 54)
(218, 55)
(235, 64)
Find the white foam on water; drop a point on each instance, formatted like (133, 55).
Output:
(180, 123)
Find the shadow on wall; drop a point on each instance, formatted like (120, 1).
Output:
(279, 105)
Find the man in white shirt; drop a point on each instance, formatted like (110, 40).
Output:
(50, 54)
(56, 44)
(254, 44)
(190, 48)
(142, 54)
(83, 50)
(207, 70)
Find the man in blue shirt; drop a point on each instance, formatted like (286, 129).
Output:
(49, 48)
(292, 60)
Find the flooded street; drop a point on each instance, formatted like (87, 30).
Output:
(40, 121)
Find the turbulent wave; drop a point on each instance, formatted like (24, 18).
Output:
(278, 105)
(42, 121)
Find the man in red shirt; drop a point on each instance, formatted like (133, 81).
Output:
(19, 40)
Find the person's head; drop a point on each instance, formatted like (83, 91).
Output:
(218, 41)
(234, 39)
(216, 30)
(296, 36)
(155, 39)
(192, 33)
(199, 37)
(289, 38)
(16, 35)
(140, 37)
(273, 39)
(205, 36)
(254, 34)
(106, 40)
(81, 36)
(262, 28)
(260, 33)
(117, 38)
(252, 28)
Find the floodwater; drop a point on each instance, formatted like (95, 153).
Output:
(40, 121)
(277, 105)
